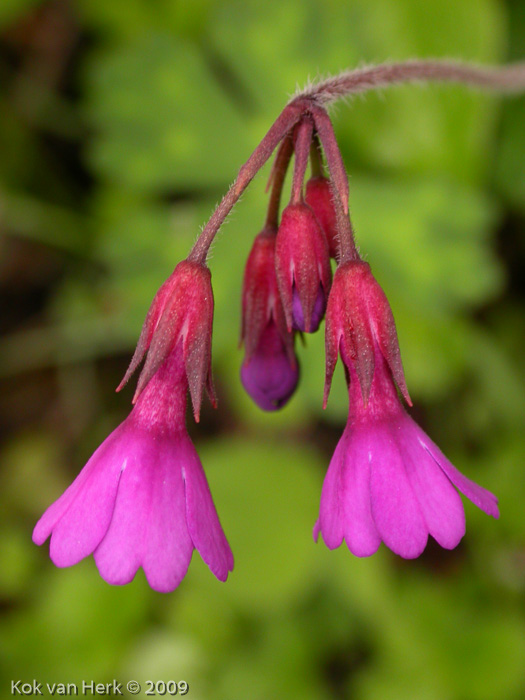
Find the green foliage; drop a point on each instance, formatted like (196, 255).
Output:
(158, 106)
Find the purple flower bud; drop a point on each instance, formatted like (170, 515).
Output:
(269, 372)
(317, 311)
(268, 375)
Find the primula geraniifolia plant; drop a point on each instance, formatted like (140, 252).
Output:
(142, 500)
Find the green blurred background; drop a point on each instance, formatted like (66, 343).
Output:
(122, 122)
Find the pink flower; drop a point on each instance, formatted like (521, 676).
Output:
(142, 500)
(387, 481)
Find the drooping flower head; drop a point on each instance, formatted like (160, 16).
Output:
(142, 500)
(387, 481)
(303, 268)
(270, 370)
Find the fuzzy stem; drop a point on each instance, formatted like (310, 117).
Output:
(347, 248)
(333, 154)
(277, 177)
(282, 125)
(303, 138)
(504, 79)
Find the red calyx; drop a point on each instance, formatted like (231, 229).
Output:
(302, 264)
(359, 319)
(182, 310)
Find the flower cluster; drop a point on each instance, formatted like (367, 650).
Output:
(142, 500)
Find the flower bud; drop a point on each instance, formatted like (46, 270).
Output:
(182, 310)
(269, 372)
(319, 197)
(268, 376)
(303, 268)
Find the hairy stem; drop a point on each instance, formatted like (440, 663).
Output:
(303, 138)
(334, 159)
(278, 174)
(347, 248)
(282, 125)
(505, 79)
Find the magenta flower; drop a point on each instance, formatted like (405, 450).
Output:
(387, 480)
(142, 500)
(270, 370)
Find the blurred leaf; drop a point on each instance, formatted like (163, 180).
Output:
(44, 222)
(277, 659)
(446, 130)
(128, 18)
(17, 562)
(428, 245)
(69, 620)
(510, 170)
(156, 131)
(11, 10)
(165, 656)
(32, 457)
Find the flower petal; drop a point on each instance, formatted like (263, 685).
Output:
(396, 511)
(268, 375)
(316, 312)
(168, 546)
(360, 530)
(56, 510)
(80, 518)
(483, 499)
(330, 522)
(119, 555)
(148, 527)
(439, 501)
(203, 522)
